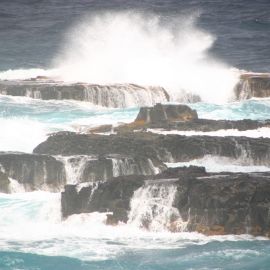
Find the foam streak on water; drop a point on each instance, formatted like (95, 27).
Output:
(27, 122)
(221, 164)
(254, 133)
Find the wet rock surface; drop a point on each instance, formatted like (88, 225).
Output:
(34, 172)
(253, 85)
(4, 182)
(227, 203)
(161, 113)
(213, 204)
(51, 173)
(183, 118)
(178, 117)
(110, 196)
(158, 148)
(115, 96)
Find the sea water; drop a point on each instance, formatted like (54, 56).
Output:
(198, 46)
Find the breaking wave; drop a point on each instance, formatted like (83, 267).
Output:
(129, 47)
(134, 48)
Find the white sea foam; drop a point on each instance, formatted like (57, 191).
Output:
(221, 164)
(23, 74)
(21, 134)
(254, 133)
(31, 222)
(129, 47)
(74, 166)
(26, 122)
(15, 186)
(152, 207)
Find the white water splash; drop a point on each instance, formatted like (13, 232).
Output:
(23, 74)
(152, 207)
(31, 222)
(128, 47)
(74, 167)
(21, 134)
(15, 186)
(123, 166)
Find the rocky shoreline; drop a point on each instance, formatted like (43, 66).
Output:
(104, 173)
(114, 96)
(250, 85)
(180, 118)
(253, 85)
(213, 204)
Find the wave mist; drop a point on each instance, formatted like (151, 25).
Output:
(128, 47)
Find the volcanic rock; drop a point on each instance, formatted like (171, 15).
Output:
(158, 148)
(253, 85)
(213, 204)
(34, 172)
(116, 96)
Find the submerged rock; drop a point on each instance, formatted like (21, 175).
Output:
(116, 96)
(213, 204)
(253, 85)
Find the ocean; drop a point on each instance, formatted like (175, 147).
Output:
(197, 46)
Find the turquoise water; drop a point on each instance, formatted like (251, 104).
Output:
(68, 112)
(32, 34)
(60, 112)
(215, 255)
(37, 118)
(33, 236)
(256, 109)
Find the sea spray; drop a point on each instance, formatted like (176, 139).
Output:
(152, 208)
(129, 47)
(74, 167)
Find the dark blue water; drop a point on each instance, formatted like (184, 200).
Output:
(31, 31)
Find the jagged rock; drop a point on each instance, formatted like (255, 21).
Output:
(4, 182)
(85, 168)
(213, 204)
(226, 204)
(182, 118)
(117, 96)
(253, 85)
(207, 125)
(42, 172)
(105, 168)
(111, 196)
(165, 113)
(34, 171)
(158, 148)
